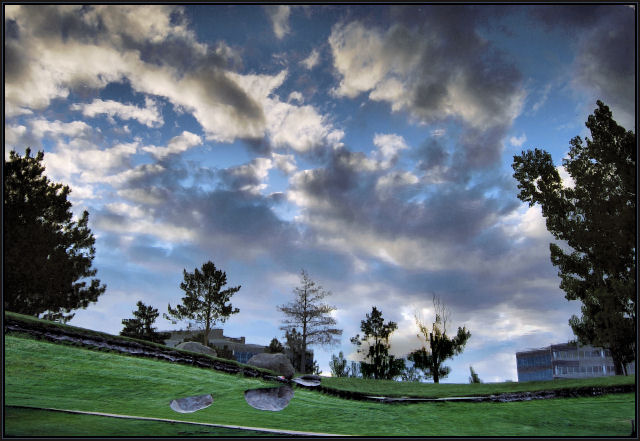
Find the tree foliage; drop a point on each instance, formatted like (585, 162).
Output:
(473, 378)
(310, 317)
(275, 347)
(438, 346)
(141, 325)
(338, 365)
(376, 335)
(47, 254)
(411, 373)
(205, 301)
(596, 221)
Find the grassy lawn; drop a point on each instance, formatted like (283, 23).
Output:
(430, 390)
(22, 422)
(42, 374)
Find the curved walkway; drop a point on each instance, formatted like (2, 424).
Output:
(167, 420)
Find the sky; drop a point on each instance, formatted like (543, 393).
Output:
(370, 145)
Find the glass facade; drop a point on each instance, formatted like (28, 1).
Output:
(537, 375)
(243, 356)
(566, 360)
(534, 360)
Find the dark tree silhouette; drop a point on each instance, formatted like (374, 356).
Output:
(275, 347)
(473, 378)
(596, 220)
(438, 346)
(338, 365)
(376, 336)
(47, 254)
(205, 302)
(141, 325)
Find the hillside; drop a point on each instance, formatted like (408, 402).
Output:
(43, 374)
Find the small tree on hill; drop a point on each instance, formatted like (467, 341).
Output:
(438, 346)
(338, 365)
(310, 317)
(474, 376)
(141, 326)
(47, 255)
(205, 301)
(275, 347)
(376, 336)
(411, 373)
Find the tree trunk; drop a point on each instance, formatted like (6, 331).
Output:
(207, 330)
(303, 355)
(617, 363)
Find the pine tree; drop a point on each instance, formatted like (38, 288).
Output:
(338, 365)
(47, 254)
(474, 376)
(310, 317)
(205, 302)
(376, 336)
(141, 325)
(275, 347)
(596, 218)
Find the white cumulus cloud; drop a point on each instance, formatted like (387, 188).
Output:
(148, 115)
(177, 144)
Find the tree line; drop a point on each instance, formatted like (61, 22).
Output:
(48, 257)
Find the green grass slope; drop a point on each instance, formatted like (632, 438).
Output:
(42, 374)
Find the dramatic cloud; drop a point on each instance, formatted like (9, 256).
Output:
(411, 67)
(484, 91)
(371, 146)
(248, 177)
(228, 105)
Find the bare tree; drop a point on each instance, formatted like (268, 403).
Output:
(310, 316)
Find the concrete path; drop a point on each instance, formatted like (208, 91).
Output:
(131, 417)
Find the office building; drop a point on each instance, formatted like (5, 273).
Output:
(567, 360)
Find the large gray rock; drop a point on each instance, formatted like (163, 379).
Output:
(273, 398)
(308, 380)
(278, 363)
(191, 404)
(197, 347)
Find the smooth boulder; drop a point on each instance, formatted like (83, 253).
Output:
(191, 404)
(197, 347)
(308, 380)
(273, 398)
(278, 363)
